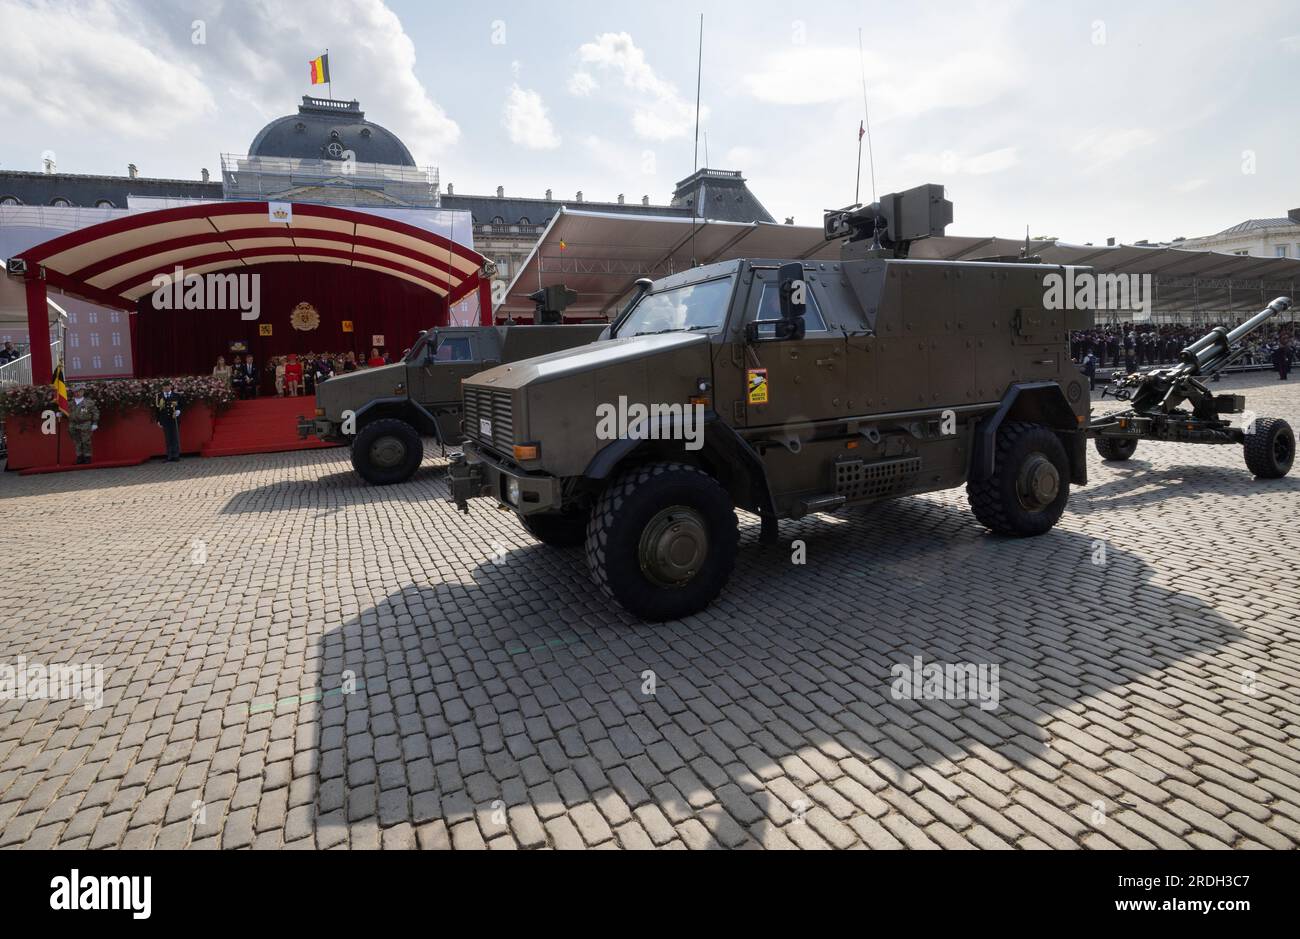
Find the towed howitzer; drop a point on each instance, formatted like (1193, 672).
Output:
(1173, 404)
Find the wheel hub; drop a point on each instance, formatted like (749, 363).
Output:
(1039, 482)
(1283, 447)
(674, 546)
(387, 452)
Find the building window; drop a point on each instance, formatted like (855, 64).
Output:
(60, 203)
(114, 316)
(94, 340)
(10, 200)
(524, 221)
(93, 316)
(117, 339)
(74, 340)
(104, 204)
(1242, 254)
(118, 362)
(76, 362)
(1280, 251)
(498, 220)
(96, 362)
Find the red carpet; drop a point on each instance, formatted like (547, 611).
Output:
(262, 425)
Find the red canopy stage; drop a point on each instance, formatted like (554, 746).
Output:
(388, 278)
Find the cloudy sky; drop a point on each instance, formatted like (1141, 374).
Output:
(1081, 120)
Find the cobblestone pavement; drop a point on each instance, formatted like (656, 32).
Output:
(1148, 654)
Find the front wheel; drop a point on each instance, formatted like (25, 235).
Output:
(387, 452)
(1029, 486)
(1270, 449)
(662, 540)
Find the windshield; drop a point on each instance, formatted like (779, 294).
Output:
(693, 307)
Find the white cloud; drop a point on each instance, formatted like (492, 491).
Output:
(948, 164)
(810, 75)
(581, 85)
(659, 112)
(130, 67)
(1099, 148)
(83, 68)
(527, 122)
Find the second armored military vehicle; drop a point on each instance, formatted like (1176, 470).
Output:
(384, 413)
(786, 389)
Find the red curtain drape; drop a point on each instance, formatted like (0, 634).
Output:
(187, 342)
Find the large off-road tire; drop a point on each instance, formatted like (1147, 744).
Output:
(1270, 450)
(662, 540)
(1030, 484)
(386, 452)
(1116, 449)
(559, 530)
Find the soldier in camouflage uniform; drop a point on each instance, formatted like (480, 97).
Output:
(83, 420)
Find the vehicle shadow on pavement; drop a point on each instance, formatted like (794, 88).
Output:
(1136, 483)
(521, 708)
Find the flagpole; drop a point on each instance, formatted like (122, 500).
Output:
(329, 84)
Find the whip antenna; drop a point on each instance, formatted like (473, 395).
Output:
(865, 129)
(699, 80)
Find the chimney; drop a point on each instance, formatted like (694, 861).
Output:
(49, 165)
(451, 190)
(548, 195)
(789, 220)
(501, 192)
(1110, 242)
(1294, 215)
(132, 171)
(579, 199)
(645, 200)
(621, 200)
(205, 174)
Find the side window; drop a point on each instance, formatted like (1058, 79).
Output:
(454, 349)
(769, 310)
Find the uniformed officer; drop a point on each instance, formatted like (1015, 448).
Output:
(167, 412)
(83, 420)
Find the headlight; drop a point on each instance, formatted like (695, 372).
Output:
(512, 491)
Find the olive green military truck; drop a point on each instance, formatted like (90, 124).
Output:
(785, 388)
(384, 413)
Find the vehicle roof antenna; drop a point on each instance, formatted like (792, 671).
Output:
(699, 79)
(865, 129)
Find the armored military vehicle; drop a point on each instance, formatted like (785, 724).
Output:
(785, 388)
(384, 413)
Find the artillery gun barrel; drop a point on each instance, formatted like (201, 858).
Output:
(1214, 350)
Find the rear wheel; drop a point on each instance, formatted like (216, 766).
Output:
(1116, 449)
(559, 530)
(1270, 450)
(1029, 486)
(662, 540)
(386, 452)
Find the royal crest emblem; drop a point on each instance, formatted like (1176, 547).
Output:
(304, 317)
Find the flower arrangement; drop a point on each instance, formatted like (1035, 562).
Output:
(118, 396)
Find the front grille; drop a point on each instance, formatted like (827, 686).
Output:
(855, 479)
(488, 404)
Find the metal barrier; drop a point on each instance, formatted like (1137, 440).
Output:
(19, 371)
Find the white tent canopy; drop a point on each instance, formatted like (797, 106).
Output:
(600, 256)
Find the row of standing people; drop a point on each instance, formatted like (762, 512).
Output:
(291, 375)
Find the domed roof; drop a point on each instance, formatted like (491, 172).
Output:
(324, 130)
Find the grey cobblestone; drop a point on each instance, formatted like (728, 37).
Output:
(773, 722)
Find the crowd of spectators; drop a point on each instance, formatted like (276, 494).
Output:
(1137, 346)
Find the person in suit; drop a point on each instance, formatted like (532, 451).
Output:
(251, 377)
(238, 377)
(167, 412)
(1283, 359)
(83, 421)
(8, 354)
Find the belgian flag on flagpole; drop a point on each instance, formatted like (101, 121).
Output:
(320, 70)
(60, 390)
